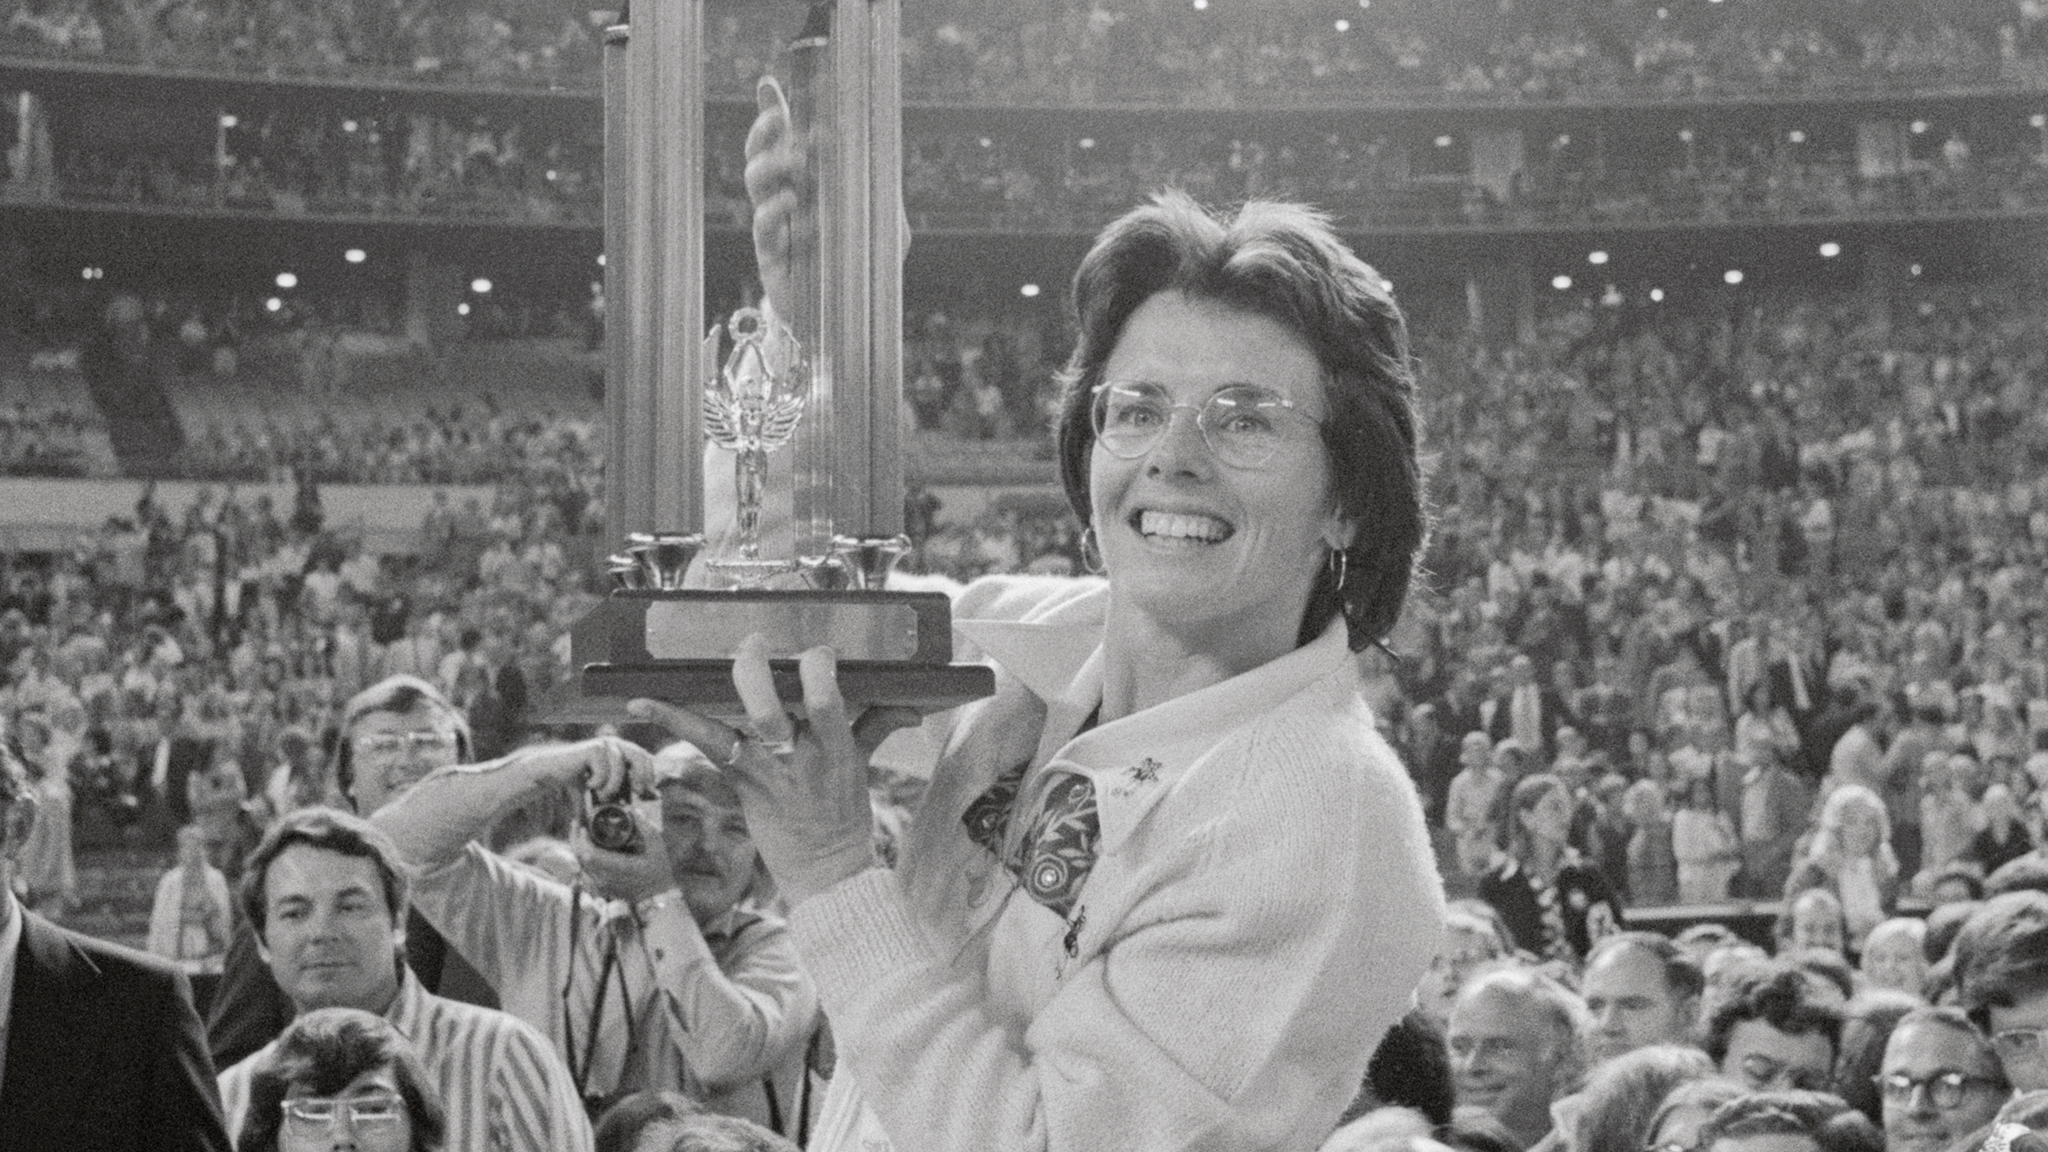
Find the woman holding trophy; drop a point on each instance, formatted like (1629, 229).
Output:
(1168, 886)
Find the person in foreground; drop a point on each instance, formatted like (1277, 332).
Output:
(1169, 886)
(341, 1079)
(326, 895)
(103, 1048)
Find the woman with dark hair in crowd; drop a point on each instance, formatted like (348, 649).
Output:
(340, 1079)
(1169, 887)
(1555, 903)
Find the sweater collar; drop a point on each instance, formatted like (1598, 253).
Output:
(1135, 760)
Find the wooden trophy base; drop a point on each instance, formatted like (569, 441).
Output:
(895, 648)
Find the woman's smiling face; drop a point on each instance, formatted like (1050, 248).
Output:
(1192, 542)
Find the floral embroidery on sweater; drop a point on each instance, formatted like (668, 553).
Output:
(1058, 848)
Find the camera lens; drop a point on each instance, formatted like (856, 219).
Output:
(612, 828)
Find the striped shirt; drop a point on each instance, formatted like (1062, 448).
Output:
(499, 1079)
(722, 1014)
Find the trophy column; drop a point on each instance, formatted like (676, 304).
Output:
(828, 398)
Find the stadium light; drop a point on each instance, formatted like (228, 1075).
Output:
(2037, 120)
(1796, 136)
(355, 255)
(1201, 5)
(1029, 290)
(1732, 276)
(1919, 127)
(600, 259)
(287, 280)
(1656, 295)
(462, 309)
(1087, 142)
(273, 305)
(1830, 250)
(480, 286)
(1443, 141)
(1914, 270)
(349, 125)
(1343, 25)
(228, 120)
(1596, 256)
(1560, 282)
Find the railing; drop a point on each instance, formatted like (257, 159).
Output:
(577, 79)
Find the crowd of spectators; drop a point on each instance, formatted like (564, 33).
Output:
(1035, 179)
(1136, 51)
(328, 165)
(503, 43)
(1719, 607)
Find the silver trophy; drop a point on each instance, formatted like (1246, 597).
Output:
(753, 408)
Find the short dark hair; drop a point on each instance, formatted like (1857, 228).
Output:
(1411, 1068)
(1283, 262)
(1867, 1025)
(1944, 923)
(335, 831)
(1777, 994)
(2001, 955)
(1682, 975)
(323, 1051)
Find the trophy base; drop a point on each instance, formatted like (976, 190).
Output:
(895, 648)
(705, 687)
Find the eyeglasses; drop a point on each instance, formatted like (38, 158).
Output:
(1945, 1089)
(320, 1112)
(1763, 1072)
(2019, 1043)
(1243, 424)
(405, 743)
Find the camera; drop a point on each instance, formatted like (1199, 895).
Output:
(610, 821)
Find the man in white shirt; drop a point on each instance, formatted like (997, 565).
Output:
(326, 895)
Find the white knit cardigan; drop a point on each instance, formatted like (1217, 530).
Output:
(1263, 902)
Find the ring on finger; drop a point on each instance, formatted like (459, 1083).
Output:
(784, 746)
(733, 753)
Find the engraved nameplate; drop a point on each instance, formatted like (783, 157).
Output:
(706, 629)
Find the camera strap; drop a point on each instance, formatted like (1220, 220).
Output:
(580, 1065)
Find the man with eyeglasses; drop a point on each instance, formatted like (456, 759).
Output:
(2001, 974)
(1939, 1080)
(1515, 1040)
(392, 734)
(326, 894)
(1772, 1032)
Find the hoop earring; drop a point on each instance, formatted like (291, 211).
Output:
(1091, 552)
(1339, 566)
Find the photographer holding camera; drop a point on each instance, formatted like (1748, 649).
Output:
(661, 975)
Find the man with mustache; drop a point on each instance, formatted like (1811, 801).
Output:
(655, 971)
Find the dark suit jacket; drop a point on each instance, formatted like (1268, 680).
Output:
(104, 1052)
